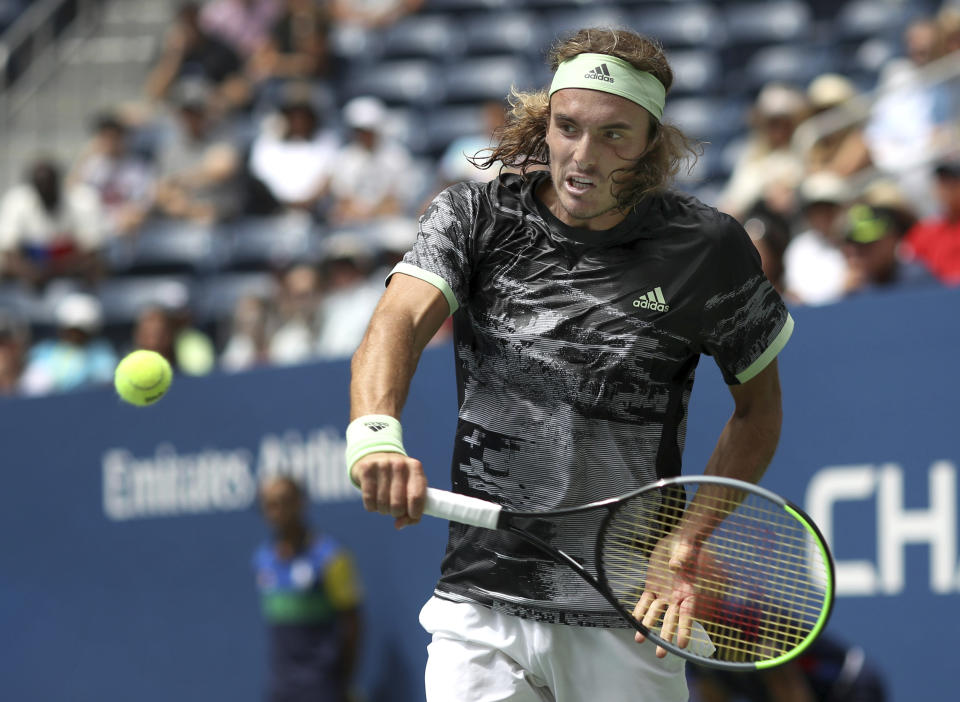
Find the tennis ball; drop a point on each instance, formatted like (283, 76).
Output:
(142, 377)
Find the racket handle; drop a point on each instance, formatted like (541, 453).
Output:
(461, 508)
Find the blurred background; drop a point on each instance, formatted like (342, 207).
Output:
(228, 182)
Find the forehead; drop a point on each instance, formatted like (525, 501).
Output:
(594, 107)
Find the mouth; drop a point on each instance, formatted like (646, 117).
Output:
(580, 184)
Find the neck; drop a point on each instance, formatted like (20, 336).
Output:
(294, 538)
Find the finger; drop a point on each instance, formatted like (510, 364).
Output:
(653, 614)
(681, 555)
(640, 610)
(416, 492)
(398, 489)
(401, 522)
(669, 626)
(384, 476)
(685, 632)
(368, 486)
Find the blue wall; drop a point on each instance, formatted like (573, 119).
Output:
(126, 534)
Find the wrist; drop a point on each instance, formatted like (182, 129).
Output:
(372, 433)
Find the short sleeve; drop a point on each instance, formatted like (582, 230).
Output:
(745, 323)
(341, 582)
(440, 255)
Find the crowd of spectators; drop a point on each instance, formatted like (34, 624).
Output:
(242, 119)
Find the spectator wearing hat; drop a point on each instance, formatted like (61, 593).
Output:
(77, 357)
(936, 240)
(842, 150)
(191, 52)
(199, 165)
(50, 230)
(374, 173)
(123, 180)
(768, 156)
(815, 269)
(871, 245)
(294, 156)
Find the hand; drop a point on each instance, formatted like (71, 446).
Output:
(670, 590)
(393, 484)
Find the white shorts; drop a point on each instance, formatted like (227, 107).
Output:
(478, 655)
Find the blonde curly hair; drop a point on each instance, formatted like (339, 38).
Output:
(521, 142)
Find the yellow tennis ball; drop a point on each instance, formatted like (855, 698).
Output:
(142, 377)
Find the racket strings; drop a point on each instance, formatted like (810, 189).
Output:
(760, 581)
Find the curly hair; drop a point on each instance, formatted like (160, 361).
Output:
(521, 142)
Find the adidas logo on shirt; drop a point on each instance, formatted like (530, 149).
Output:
(653, 300)
(599, 73)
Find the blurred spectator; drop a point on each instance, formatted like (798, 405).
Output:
(248, 342)
(77, 357)
(124, 181)
(297, 47)
(293, 157)
(49, 230)
(14, 340)
(770, 234)
(767, 158)
(188, 350)
(310, 598)
(244, 24)
(815, 267)
(297, 316)
(199, 166)
(828, 671)
(192, 53)
(372, 14)
(936, 240)
(907, 121)
(844, 151)
(350, 294)
(872, 242)
(456, 163)
(374, 173)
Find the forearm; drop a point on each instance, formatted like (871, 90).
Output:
(382, 367)
(387, 358)
(746, 445)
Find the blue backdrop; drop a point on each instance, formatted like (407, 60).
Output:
(126, 534)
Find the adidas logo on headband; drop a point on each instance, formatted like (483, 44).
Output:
(600, 73)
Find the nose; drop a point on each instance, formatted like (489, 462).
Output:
(584, 153)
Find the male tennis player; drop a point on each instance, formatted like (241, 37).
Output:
(583, 297)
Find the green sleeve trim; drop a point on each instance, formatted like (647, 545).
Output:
(772, 350)
(428, 277)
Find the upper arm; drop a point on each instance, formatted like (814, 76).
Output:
(759, 396)
(417, 302)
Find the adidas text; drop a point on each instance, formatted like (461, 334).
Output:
(601, 72)
(645, 304)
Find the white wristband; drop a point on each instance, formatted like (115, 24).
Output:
(373, 433)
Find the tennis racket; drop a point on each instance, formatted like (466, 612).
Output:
(749, 574)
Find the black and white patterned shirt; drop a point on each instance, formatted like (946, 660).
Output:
(576, 353)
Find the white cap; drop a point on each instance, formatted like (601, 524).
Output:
(776, 99)
(825, 187)
(365, 113)
(829, 90)
(80, 311)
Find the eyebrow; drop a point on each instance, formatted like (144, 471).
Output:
(612, 125)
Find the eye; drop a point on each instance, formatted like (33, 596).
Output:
(566, 127)
(613, 136)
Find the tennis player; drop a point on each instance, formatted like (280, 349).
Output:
(583, 295)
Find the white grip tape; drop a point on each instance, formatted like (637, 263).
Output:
(461, 508)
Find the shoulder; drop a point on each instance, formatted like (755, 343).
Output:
(680, 211)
